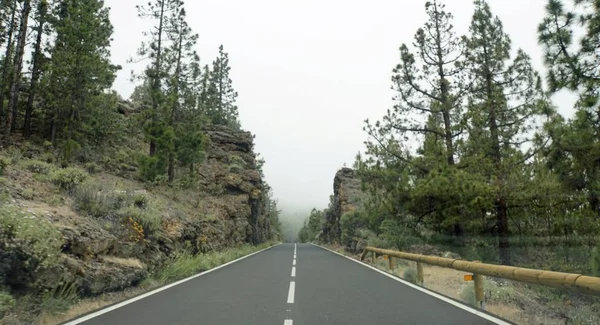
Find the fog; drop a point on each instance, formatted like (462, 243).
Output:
(309, 72)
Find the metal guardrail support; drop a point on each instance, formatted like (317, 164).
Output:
(565, 281)
(390, 259)
(420, 276)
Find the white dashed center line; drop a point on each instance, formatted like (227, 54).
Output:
(293, 271)
(294, 262)
(288, 322)
(291, 292)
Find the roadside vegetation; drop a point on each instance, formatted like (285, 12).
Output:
(475, 161)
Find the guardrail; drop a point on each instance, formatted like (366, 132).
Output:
(573, 282)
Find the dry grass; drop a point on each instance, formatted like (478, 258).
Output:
(129, 262)
(451, 283)
(90, 304)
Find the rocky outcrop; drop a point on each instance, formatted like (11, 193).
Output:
(111, 251)
(346, 198)
(231, 177)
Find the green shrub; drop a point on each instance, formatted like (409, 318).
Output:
(184, 264)
(90, 199)
(410, 275)
(92, 167)
(28, 194)
(38, 167)
(7, 302)
(595, 261)
(4, 162)
(149, 218)
(140, 200)
(59, 299)
(28, 243)
(68, 178)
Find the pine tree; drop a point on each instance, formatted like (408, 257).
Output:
(575, 148)
(36, 65)
(221, 97)
(8, 37)
(505, 98)
(429, 82)
(17, 64)
(184, 61)
(80, 69)
(160, 12)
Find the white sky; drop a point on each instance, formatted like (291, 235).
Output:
(309, 72)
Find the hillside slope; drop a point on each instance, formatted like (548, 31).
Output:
(93, 228)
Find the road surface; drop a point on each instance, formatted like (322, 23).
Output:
(291, 284)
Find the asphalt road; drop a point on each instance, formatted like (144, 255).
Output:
(290, 285)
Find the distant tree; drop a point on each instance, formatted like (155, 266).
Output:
(220, 97)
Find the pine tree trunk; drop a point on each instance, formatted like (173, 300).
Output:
(35, 69)
(171, 172)
(17, 66)
(7, 60)
(156, 81)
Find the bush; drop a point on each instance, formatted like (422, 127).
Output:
(68, 178)
(410, 275)
(149, 219)
(595, 261)
(91, 200)
(7, 302)
(140, 200)
(38, 167)
(4, 162)
(92, 167)
(28, 243)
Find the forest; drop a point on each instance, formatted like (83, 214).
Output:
(473, 157)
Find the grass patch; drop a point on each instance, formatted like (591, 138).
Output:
(184, 264)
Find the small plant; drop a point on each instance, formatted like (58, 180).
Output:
(59, 299)
(7, 302)
(4, 163)
(28, 194)
(140, 200)
(410, 275)
(92, 167)
(90, 200)
(68, 178)
(595, 261)
(38, 167)
(236, 164)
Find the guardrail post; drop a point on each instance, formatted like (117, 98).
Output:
(373, 257)
(420, 278)
(479, 292)
(391, 262)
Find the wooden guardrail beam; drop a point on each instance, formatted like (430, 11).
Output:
(569, 281)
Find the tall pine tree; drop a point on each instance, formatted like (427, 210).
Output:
(505, 98)
(80, 69)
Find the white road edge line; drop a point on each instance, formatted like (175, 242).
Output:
(288, 322)
(155, 291)
(291, 292)
(293, 271)
(445, 299)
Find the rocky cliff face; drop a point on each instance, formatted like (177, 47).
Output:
(346, 198)
(114, 248)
